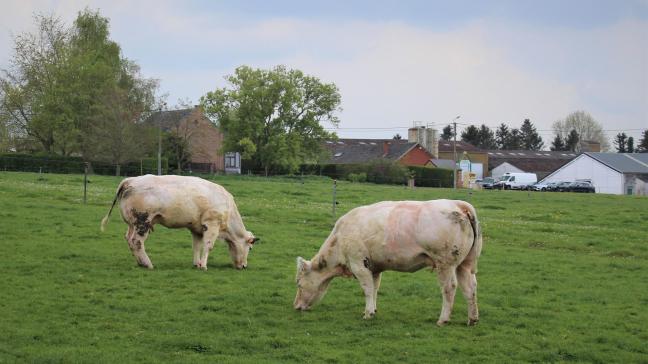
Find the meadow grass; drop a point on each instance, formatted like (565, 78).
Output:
(562, 277)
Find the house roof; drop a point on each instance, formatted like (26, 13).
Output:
(446, 146)
(347, 151)
(541, 162)
(443, 163)
(623, 162)
(169, 118)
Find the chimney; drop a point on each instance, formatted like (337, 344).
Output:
(385, 148)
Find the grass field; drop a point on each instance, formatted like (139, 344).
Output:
(563, 277)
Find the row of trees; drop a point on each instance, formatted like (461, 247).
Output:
(69, 90)
(570, 134)
(625, 144)
(526, 137)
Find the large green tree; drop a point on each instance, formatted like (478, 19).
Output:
(280, 111)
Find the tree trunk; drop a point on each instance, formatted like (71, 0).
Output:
(118, 170)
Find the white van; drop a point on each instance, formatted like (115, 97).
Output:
(515, 181)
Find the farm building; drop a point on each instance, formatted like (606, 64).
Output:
(542, 163)
(615, 173)
(465, 151)
(203, 138)
(352, 151)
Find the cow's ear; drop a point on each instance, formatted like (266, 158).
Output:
(303, 265)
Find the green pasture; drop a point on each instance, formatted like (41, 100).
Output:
(563, 277)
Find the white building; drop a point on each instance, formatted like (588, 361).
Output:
(615, 173)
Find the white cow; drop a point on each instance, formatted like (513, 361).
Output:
(203, 207)
(405, 236)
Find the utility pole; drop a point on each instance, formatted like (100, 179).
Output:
(454, 152)
(160, 140)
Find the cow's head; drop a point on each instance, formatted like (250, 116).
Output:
(312, 282)
(239, 249)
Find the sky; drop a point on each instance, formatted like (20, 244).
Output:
(395, 62)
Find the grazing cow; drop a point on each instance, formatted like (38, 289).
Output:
(404, 236)
(203, 207)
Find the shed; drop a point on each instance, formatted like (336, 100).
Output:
(615, 173)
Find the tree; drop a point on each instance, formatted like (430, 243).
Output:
(115, 133)
(531, 140)
(514, 141)
(397, 137)
(470, 135)
(642, 147)
(33, 87)
(279, 110)
(586, 127)
(620, 143)
(447, 133)
(572, 141)
(631, 148)
(558, 144)
(486, 138)
(502, 135)
(60, 80)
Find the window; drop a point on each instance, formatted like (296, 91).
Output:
(337, 155)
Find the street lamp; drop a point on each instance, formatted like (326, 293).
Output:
(454, 152)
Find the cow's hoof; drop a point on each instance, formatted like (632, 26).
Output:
(473, 322)
(369, 315)
(442, 323)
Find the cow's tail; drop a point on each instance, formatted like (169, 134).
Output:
(475, 250)
(118, 195)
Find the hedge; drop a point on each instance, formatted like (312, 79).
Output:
(60, 164)
(431, 177)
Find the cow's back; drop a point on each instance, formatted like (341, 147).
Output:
(176, 200)
(398, 234)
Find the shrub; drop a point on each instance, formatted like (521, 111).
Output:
(357, 177)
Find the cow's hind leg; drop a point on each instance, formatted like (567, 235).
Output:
(366, 279)
(136, 236)
(448, 282)
(468, 283)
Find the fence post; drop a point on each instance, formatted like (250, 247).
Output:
(85, 183)
(334, 197)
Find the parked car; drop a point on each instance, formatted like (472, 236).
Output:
(516, 181)
(487, 183)
(562, 186)
(586, 187)
(542, 186)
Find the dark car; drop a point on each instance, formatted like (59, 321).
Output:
(581, 187)
(488, 183)
(561, 186)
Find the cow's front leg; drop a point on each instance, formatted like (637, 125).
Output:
(208, 239)
(448, 282)
(366, 279)
(197, 245)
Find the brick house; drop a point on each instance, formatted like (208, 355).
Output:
(204, 139)
(353, 151)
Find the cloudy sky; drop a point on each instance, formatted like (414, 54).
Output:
(395, 62)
